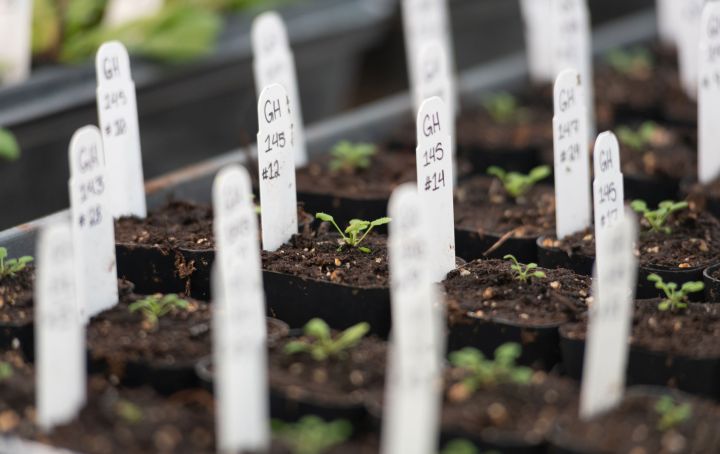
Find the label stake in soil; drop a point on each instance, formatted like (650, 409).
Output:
(274, 64)
(434, 164)
(239, 326)
(60, 336)
(276, 167)
(572, 169)
(118, 121)
(668, 12)
(92, 224)
(709, 95)
(572, 49)
(688, 37)
(608, 188)
(120, 12)
(412, 391)
(16, 37)
(609, 319)
(425, 22)
(538, 40)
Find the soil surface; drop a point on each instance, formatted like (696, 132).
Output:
(483, 205)
(489, 290)
(632, 427)
(693, 242)
(17, 392)
(314, 254)
(530, 129)
(664, 157)
(691, 332)
(16, 297)
(677, 107)
(344, 380)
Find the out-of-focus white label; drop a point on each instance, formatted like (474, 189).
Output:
(412, 391)
(538, 40)
(709, 95)
(15, 40)
(572, 48)
(119, 12)
(434, 163)
(572, 169)
(118, 121)
(276, 167)
(608, 188)
(92, 224)
(239, 330)
(688, 39)
(667, 20)
(424, 22)
(274, 64)
(606, 348)
(59, 331)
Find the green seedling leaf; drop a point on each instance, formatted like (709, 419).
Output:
(658, 218)
(481, 372)
(517, 184)
(350, 157)
(351, 235)
(10, 267)
(6, 371)
(9, 147)
(630, 62)
(156, 306)
(128, 411)
(503, 108)
(674, 299)
(320, 344)
(523, 273)
(311, 435)
(671, 414)
(638, 140)
(459, 446)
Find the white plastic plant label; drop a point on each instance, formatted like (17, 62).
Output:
(426, 21)
(412, 389)
(239, 330)
(276, 167)
(120, 12)
(435, 78)
(709, 95)
(59, 331)
(15, 40)
(572, 169)
(274, 64)
(606, 349)
(608, 188)
(572, 48)
(434, 163)
(538, 40)
(667, 14)
(118, 120)
(688, 37)
(92, 224)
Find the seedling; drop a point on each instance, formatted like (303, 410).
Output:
(503, 108)
(349, 157)
(483, 372)
(675, 299)
(312, 435)
(671, 414)
(659, 217)
(320, 343)
(6, 371)
(640, 139)
(351, 235)
(156, 306)
(630, 62)
(128, 411)
(9, 147)
(517, 184)
(8, 267)
(523, 273)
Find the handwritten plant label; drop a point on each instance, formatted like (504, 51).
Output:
(412, 397)
(572, 169)
(92, 223)
(239, 330)
(709, 95)
(118, 120)
(538, 39)
(606, 349)
(608, 188)
(435, 79)
(426, 22)
(120, 12)
(688, 37)
(274, 64)
(276, 165)
(434, 163)
(15, 40)
(572, 48)
(59, 330)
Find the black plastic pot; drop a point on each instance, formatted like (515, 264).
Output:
(645, 367)
(23, 334)
(472, 245)
(646, 289)
(712, 285)
(557, 258)
(344, 209)
(652, 190)
(151, 268)
(507, 158)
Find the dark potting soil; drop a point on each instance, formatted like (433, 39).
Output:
(531, 128)
(632, 427)
(483, 205)
(17, 392)
(16, 297)
(693, 242)
(691, 332)
(521, 412)
(664, 157)
(701, 194)
(314, 254)
(387, 170)
(676, 106)
(339, 380)
(367, 444)
(489, 290)
(635, 91)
